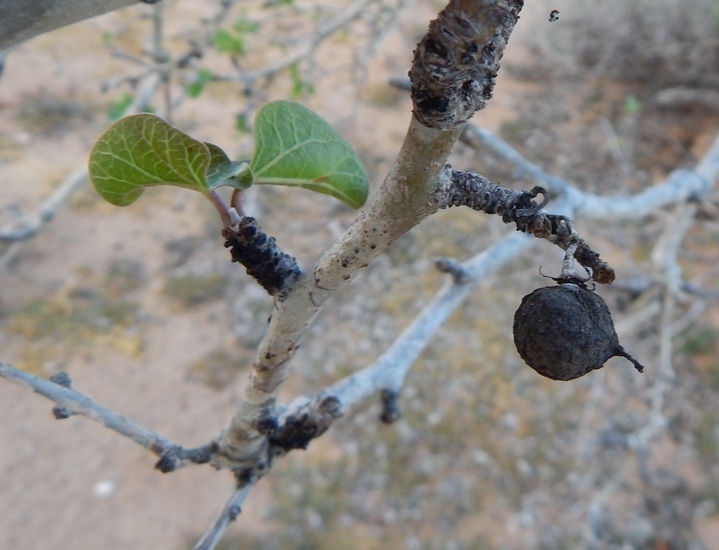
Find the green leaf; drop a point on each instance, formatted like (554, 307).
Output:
(223, 171)
(244, 25)
(241, 124)
(299, 86)
(227, 42)
(294, 146)
(194, 88)
(143, 150)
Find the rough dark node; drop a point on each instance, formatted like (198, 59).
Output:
(565, 331)
(390, 407)
(266, 422)
(263, 259)
(296, 433)
(167, 463)
(62, 379)
(523, 210)
(310, 422)
(234, 511)
(244, 476)
(456, 63)
(61, 413)
(173, 457)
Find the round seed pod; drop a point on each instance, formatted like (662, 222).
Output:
(565, 331)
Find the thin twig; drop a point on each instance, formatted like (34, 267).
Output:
(227, 515)
(321, 32)
(76, 403)
(30, 224)
(70, 402)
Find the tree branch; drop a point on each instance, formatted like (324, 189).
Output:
(388, 372)
(273, 269)
(70, 402)
(405, 199)
(25, 19)
(478, 193)
(456, 63)
(227, 515)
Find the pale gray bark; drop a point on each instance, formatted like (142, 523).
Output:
(22, 20)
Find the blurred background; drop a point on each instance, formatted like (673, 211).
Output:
(142, 308)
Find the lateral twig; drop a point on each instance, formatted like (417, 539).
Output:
(227, 515)
(70, 402)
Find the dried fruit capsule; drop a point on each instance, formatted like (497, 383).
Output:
(565, 331)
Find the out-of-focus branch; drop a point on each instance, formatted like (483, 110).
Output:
(227, 515)
(29, 224)
(24, 19)
(70, 402)
(320, 34)
(680, 186)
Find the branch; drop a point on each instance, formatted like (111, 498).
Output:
(405, 198)
(320, 33)
(227, 515)
(478, 193)
(680, 185)
(456, 63)
(24, 19)
(388, 372)
(70, 402)
(27, 226)
(273, 269)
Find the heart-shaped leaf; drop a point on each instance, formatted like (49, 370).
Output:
(143, 150)
(294, 146)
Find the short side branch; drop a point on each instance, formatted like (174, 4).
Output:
(518, 207)
(70, 402)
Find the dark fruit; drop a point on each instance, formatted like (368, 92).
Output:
(565, 331)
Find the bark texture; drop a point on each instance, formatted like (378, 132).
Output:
(22, 20)
(456, 63)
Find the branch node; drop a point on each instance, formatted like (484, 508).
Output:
(266, 422)
(524, 210)
(175, 457)
(390, 407)
(61, 413)
(454, 268)
(263, 259)
(233, 512)
(308, 423)
(62, 379)
(456, 63)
